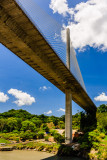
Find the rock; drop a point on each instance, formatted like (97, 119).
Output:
(51, 139)
(29, 149)
(44, 150)
(2, 144)
(35, 149)
(76, 147)
(6, 148)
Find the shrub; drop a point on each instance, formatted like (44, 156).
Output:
(15, 131)
(61, 125)
(94, 136)
(20, 146)
(40, 135)
(53, 132)
(28, 135)
(17, 139)
(65, 150)
(58, 138)
(46, 138)
(84, 145)
(45, 127)
(2, 140)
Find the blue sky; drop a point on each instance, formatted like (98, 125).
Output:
(37, 94)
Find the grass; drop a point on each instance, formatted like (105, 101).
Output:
(39, 146)
(105, 139)
(2, 140)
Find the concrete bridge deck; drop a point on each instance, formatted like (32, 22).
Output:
(20, 36)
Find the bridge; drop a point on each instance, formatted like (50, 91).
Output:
(23, 38)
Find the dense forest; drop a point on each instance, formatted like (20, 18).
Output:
(20, 125)
(21, 120)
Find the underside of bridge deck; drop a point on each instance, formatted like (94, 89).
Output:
(20, 36)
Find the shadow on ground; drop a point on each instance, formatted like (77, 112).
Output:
(62, 158)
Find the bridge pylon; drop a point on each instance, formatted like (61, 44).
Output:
(68, 117)
(68, 94)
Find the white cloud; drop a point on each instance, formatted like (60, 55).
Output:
(59, 6)
(23, 98)
(88, 23)
(49, 112)
(61, 109)
(101, 97)
(3, 97)
(44, 88)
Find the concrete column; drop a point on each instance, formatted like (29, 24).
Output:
(68, 110)
(68, 117)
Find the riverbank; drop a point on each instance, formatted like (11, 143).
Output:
(34, 145)
(53, 148)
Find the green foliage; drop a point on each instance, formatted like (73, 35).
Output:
(102, 108)
(12, 123)
(54, 120)
(40, 135)
(76, 121)
(65, 150)
(17, 114)
(91, 139)
(53, 132)
(2, 140)
(102, 122)
(19, 125)
(94, 136)
(9, 136)
(99, 154)
(2, 124)
(46, 138)
(59, 138)
(45, 127)
(38, 146)
(43, 118)
(28, 125)
(84, 145)
(16, 125)
(36, 121)
(102, 153)
(27, 135)
(61, 125)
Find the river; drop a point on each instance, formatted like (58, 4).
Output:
(31, 155)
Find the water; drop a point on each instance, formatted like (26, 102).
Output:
(31, 155)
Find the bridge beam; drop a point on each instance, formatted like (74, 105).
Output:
(68, 117)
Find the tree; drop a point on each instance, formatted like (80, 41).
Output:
(61, 125)
(2, 124)
(62, 118)
(28, 125)
(43, 118)
(12, 123)
(45, 127)
(102, 108)
(36, 121)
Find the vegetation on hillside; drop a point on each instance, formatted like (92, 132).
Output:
(20, 125)
(16, 121)
(95, 134)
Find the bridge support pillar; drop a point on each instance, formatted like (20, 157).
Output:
(68, 117)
